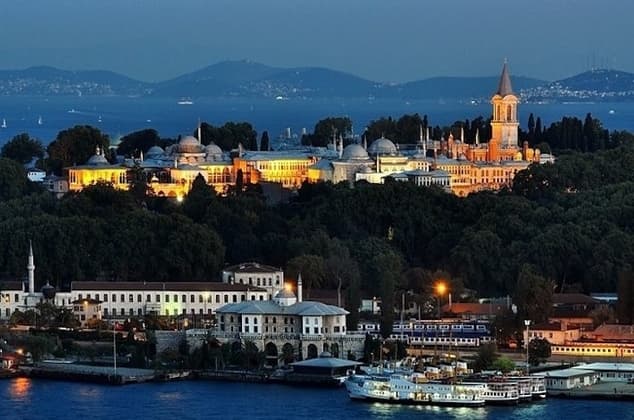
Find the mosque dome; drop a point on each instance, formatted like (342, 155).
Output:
(189, 144)
(97, 160)
(285, 294)
(213, 149)
(154, 151)
(354, 152)
(382, 146)
(48, 291)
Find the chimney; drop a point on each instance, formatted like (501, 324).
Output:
(299, 287)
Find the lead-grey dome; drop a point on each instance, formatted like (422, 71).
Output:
(382, 146)
(189, 144)
(97, 160)
(354, 152)
(155, 151)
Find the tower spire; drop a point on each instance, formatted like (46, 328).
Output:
(504, 86)
(30, 267)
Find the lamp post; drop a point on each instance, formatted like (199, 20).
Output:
(527, 322)
(441, 288)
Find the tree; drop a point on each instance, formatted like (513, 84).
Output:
(13, 180)
(503, 364)
(538, 351)
(327, 129)
(485, 357)
(264, 141)
(533, 295)
(75, 145)
(198, 200)
(22, 149)
(140, 141)
(312, 269)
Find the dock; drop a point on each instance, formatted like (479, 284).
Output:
(617, 391)
(88, 373)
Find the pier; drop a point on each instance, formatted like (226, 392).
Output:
(87, 373)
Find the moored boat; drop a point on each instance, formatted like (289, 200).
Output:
(500, 392)
(405, 389)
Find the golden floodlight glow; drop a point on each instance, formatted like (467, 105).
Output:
(441, 288)
(288, 287)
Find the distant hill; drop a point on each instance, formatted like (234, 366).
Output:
(594, 85)
(250, 79)
(50, 81)
(461, 87)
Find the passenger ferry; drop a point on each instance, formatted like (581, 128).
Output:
(537, 385)
(499, 392)
(405, 389)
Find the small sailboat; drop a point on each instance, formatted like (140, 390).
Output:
(99, 119)
(4, 123)
(39, 120)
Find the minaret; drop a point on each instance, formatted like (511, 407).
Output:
(299, 287)
(462, 139)
(30, 268)
(505, 125)
(477, 138)
(200, 138)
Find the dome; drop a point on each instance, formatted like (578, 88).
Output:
(189, 144)
(97, 160)
(48, 291)
(213, 149)
(354, 152)
(155, 151)
(382, 146)
(285, 294)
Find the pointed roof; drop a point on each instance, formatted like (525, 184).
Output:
(504, 87)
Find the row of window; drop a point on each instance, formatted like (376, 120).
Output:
(591, 350)
(206, 298)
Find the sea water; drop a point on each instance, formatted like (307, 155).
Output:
(23, 398)
(43, 117)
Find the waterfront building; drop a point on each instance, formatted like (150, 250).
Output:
(609, 372)
(571, 378)
(288, 324)
(120, 300)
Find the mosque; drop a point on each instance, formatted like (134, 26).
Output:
(456, 165)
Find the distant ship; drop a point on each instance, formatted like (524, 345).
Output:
(39, 120)
(4, 123)
(185, 101)
(99, 119)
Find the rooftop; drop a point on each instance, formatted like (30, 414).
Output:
(251, 267)
(163, 286)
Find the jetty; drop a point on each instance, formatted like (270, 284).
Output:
(617, 391)
(88, 373)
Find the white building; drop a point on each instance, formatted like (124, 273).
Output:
(565, 379)
(257, 275)
(124, 299)
(288, 322)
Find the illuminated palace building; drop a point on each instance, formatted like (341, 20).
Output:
(457, 165)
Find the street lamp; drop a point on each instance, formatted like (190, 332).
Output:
(441, 288)
(527, 322)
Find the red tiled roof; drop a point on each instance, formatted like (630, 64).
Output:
(573, 299)
(474, 308)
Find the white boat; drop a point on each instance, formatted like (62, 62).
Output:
(4, 123)
(39, 120)
(406, 389)
(500, 392)
(185, 101)
(537, 385)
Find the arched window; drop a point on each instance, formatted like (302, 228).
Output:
(509, 113)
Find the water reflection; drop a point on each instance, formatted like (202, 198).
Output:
(89, 393)
(19, 388)
(379, 410)
(170, 396)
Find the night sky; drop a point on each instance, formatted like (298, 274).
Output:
(382, 40)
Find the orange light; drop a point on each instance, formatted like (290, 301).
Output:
(288, 287)
(441, 288)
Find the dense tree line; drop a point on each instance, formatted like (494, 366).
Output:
(563, 227)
